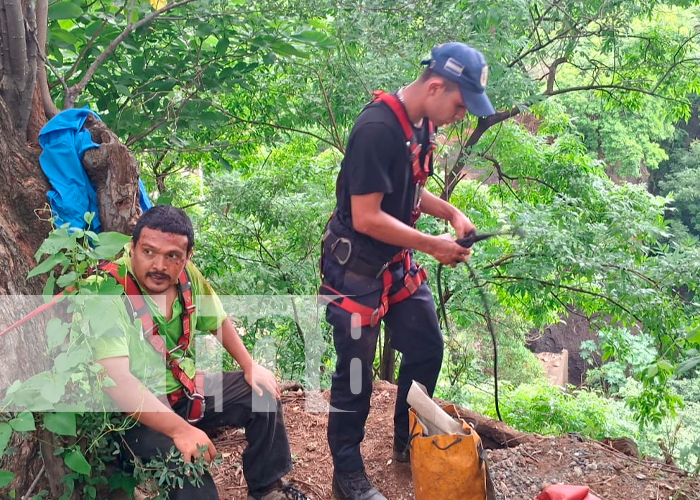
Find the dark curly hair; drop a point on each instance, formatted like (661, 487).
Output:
(167, 219)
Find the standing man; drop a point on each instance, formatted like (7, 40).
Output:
(152, 365)
(367, 261)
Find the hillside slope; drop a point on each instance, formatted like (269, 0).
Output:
(519, 473)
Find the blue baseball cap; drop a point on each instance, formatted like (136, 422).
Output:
(466, 66)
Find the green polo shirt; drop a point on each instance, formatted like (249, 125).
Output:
(145, 363)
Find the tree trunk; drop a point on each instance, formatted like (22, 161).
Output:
(24, 224)
(387, 363)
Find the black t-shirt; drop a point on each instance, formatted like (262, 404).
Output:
(376, 161)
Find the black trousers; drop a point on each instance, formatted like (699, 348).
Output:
(415, 332)
(266, 458)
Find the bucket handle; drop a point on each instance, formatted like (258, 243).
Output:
(456, 441)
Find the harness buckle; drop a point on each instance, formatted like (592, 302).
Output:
(410, 284)
(374, 318)
(192, 397)
(178, 347)
(342, 260)
(381, 271)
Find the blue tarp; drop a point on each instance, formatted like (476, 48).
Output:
(64, 142)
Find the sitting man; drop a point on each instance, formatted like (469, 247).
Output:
(172, 299)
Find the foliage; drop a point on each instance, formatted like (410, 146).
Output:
(683, 184)
(627, 140)
(622, 353)
(676, 436)
(549, 410)
(169, 471)
(259, 235)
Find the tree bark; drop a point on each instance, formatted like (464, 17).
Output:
(24, 224)
(115, 174)
(387, 364)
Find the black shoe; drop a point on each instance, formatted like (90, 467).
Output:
(402, 453)
(354, 486)
(279, 490)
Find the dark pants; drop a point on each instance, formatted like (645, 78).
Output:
(266, 458)
(414, 332)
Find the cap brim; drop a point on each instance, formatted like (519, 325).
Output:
(477, 104)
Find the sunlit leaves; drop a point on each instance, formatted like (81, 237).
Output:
(158, 4)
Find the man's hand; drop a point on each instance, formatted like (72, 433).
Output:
(260, 378)
(461, 224)
(447, 251)
(187, 440)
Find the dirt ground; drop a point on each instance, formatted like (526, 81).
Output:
(519, 473)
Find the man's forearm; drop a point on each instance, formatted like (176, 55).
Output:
(234, 345)
(437, 207)
(133, 397)
(390, 230)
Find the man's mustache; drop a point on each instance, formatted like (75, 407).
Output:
(162, 276)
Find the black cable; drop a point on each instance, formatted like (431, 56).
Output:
(467, 242)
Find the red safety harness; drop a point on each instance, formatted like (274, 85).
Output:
(192, 388)
(363, 315)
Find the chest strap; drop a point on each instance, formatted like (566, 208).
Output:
(421, 171)
(363, 315)
(192, 388)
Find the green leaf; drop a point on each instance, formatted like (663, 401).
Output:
(110, 243)
(204, 29)
(287, 49)
(165, 199)
(6, 478)
(310, 36)
(56, 241)
(687, 365)
(75, 460)
(5, 435)
(126, 482)
(48, 265)
(56, 332)
(222, 46)
(24, 422)
(64, 10)
(54, 389)
(61, 423)
(65, 362)
(67, 279)
(63, 35)
(694, 334)
(48, 287)
(665, 365)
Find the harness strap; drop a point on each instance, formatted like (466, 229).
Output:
(363, 315)
(192, 388)
(421, 172)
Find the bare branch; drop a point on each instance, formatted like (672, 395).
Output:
(239, 119)
(331, 116)
(17, 26)
(42, 20)
(611, 87)
(88, 45)
(552, 75)
(77, 89)
(502, 175)
(482, 126)
(571, 289)
(542, 45)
